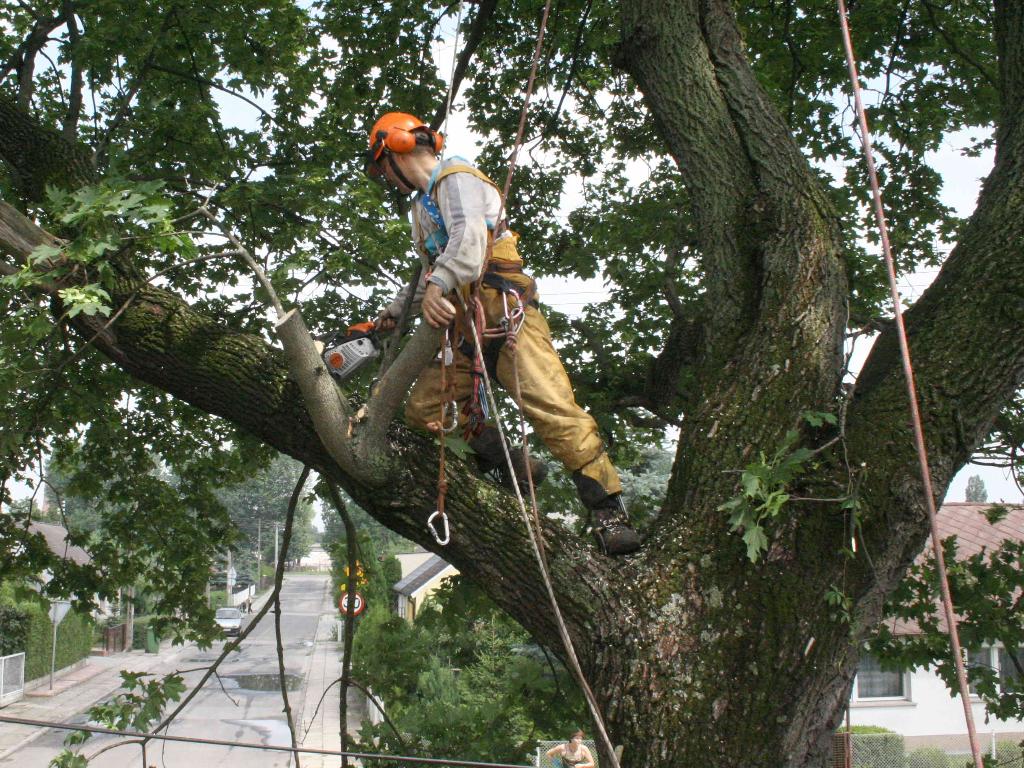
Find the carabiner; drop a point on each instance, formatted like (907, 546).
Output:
(451, 407)
(433, 531)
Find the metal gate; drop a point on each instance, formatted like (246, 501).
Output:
(12, 678)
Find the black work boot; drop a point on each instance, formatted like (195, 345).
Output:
(490, 458)
(609, 520)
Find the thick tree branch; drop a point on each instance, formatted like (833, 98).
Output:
(691, 115)
(38, 156)
(326, 405)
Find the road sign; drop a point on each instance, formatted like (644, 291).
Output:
(58, 610)
(358, 607)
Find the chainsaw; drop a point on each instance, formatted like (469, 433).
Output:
(346, 353)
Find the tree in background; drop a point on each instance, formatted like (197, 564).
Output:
(724, 207)
(260, 502)
(976, 490)
(464, 680)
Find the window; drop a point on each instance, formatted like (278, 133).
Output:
(873, 682)
(1010, 665)
(979, 658)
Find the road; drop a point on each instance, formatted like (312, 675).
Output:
(248, 708)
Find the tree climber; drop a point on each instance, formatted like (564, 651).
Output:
(454, 226)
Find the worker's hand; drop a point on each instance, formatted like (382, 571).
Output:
(437, 310)
(385, 322)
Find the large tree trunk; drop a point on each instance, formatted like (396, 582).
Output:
(697, 656)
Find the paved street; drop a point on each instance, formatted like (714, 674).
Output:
(248, 706)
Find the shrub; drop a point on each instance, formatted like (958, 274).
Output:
(1009, 754)
(14, 625)
(930, 757)
(74, 638)
(878, 749)
(141, 624)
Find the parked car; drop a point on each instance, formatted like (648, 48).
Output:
(230, 620)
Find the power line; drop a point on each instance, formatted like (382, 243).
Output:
(250, 745)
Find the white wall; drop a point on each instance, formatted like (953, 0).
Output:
(928, 710)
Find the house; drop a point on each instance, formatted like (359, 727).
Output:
(56, 538)
(420, 583)
(318, 559)
(917, 704)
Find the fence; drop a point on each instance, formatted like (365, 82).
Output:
(243, 595)
(12, 678)
(892, 750)
(115, 639)
(543, 761)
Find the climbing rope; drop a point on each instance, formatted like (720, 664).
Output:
(908, 372)
(509, 329)
(451, 79)
(537, 544)
(533, 526)
(447, 406)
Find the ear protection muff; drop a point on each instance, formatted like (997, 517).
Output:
(401, 141)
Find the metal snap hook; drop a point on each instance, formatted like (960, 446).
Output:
(447, 532)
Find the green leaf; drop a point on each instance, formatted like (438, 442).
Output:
(756, 542)
(995, 513)
(818, 418)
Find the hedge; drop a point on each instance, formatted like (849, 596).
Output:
(25, 626)
(14, 623)
(74, 639)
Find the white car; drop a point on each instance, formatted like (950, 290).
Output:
(230, 620)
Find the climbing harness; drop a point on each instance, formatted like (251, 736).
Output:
(908, 371)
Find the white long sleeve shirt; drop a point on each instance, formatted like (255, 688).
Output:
(469, 207)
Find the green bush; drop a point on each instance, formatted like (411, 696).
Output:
(25, 626)
(14, 624)
(878, 749)
(1009, 754)
(218, 598)
(930, 757)
(74, 639)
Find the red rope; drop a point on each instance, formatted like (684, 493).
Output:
(915, 413)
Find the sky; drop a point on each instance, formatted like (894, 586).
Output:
(961, 174)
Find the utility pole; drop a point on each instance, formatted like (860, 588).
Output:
(229, 582)
(276, 526)
(259, 554)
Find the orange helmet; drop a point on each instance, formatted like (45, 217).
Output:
(400, 132)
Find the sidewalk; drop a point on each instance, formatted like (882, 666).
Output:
(324, 730)
(75, 691)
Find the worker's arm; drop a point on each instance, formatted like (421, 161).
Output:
(588, 759)
(464, 201)
(556, 750)
(394, 308)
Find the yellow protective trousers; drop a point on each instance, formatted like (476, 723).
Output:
(546, 395)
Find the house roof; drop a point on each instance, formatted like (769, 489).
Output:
(973, 531)
(57, 540)
(422, 576)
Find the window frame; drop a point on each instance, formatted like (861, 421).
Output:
(904, 677)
